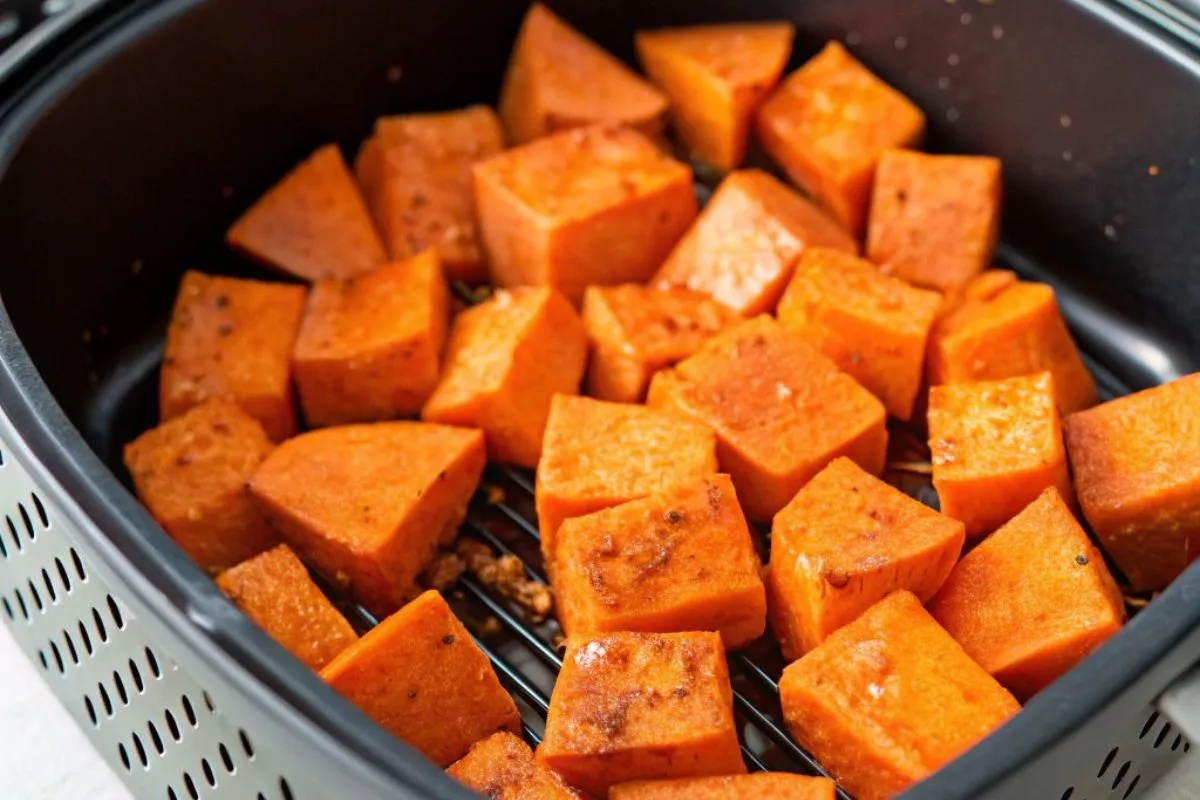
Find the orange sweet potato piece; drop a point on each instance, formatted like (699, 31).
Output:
(889, 699)
(368, 505)
(1138, 476)
(369, 346)
(845, 542)
(934, 219)
(595, 205)
(781, 411)
(415, 174)
(421, 677)
(506, 359)
(232, 338)
(502, 767)
(558, 78)
(191, 473)
(679, 560)
(638, 706)
(275, 591)
(745, 244)
(758, 786)
(996, 446)
(312, 224)
(873, 326)
(716, 75)
(828, 123)
(635, 331)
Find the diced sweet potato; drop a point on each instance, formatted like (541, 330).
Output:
(781, 411)
(639, 706)
(312, 224)
(191, 473)
(996, 446)
(1137, 471)
(368, 505)
(502, 767)
(716, 75)
(745, 244)
(275, 591)
(890, 698)
(506, 358)
(636, 330)
(679, 560)
(415, 173)
(600, 454)
(759, 786)
(845, 542)
(419, 675)
(595, 205)
(934, 219)
(873, 326)
(828, 123)
(232, 338)
(369, 346)
(558, 78)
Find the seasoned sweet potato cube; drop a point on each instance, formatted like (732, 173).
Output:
(415, 173)
(595, 205)
(421, 677)
(934, 219)
(890, 698)
(275, 591)
(716, 75)
(191, 473)
(369, 346)
(558, 78)
(758, 786)
(368, 505)
(679, 560)
(635, 331)
(1137, 471)
(600, 454)
(639, 706)
(312, 224)
(745, 244)
(828, 123)
(232, 338)
(506, 358)
(845, 542)
(996, 446)
(873, 326)
(781, 411)
(502, 767)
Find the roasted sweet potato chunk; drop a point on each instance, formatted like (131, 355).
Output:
(759, 786)
(502, 767)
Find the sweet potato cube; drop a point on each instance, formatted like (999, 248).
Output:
(589, 206)
(828, 123)
(191, 473)
(679, 560)
(369, 346)
(368, 505)
(600, 454)
(503, 767)
(745, 244)
(889, 699)
(639, 706)
(635, 330)
(845, 542)
(1137, 471)
(934, 219)
(506, 359)
(312, 224)
(421, 677)
(996, 446)
(873, 326)
(415, 174)
(558, 78)
(275, 591)
(232, 338)
(781, 411)
(758, 786)
(716, 75)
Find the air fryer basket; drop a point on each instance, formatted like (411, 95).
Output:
(132, 137)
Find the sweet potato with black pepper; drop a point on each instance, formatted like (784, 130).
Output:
(502, 767)
(758, 786)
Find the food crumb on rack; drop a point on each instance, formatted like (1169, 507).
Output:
(506, 576)
(444, 570)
